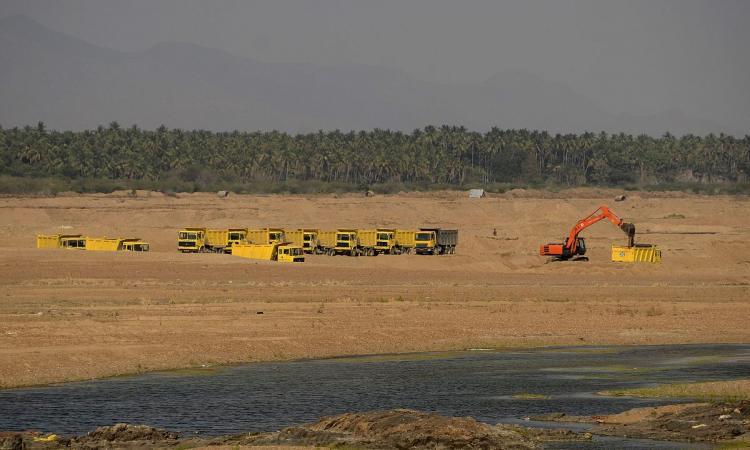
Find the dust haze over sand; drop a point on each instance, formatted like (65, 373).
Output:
(75, 315)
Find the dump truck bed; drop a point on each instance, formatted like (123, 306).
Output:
(405, 238)
(444, 237)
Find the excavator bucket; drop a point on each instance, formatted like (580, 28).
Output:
(629, 229)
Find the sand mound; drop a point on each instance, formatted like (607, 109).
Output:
(404, 428)
(123, 432)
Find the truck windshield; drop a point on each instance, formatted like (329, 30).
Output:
(274, 236)
(235, 236)
(307, 237)
(296, 251)
(184, 235)
(383, 236)
(423, 236)
(343, 237)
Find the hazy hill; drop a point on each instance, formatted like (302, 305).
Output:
(71, 84)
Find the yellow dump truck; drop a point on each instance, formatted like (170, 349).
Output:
(75, 241)
(282, 252)
(405, 240)
(265, 236)
(340, 242)
(221, 241)
(435, 241)
(116, 244)
(191, 240)
(375, 242)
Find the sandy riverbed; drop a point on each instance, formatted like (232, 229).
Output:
(68, 315)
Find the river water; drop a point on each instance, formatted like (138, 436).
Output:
(492, 386)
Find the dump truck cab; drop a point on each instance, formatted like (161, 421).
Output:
(135, 245)
(347, 242)
(74, 242)
(275, 235)
(290, 253)
(265, 236)
(386, 242)
(191, 240)
(309, 240)
(236, 236)
(424, 241)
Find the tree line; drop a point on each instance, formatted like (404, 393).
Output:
(432, 156)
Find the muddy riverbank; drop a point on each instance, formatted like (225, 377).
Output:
(727, 423)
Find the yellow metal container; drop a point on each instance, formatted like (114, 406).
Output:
(103, 244)
(367, 238)
(217, 238)
(270, 252)
(638, 253)
(48, 241)
(255, 251)
(327, 239)
(296, 237)
(405, 238)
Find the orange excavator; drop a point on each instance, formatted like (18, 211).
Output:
(574, 247)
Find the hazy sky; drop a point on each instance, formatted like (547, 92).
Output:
(631, 56)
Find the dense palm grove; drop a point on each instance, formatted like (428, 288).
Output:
(431, 156)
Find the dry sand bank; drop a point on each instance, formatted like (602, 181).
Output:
(75, 315)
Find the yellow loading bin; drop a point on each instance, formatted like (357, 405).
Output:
(60, 241)
(405, 238)
(638, 253)
(254, 251)
(48, 241)
(103, 244)
(217, 238)
(296, 237)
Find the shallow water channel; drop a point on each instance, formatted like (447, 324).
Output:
(492, 386)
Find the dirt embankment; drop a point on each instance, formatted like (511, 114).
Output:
(71, 315)
(395, 429)
(409, 429)
(693, 422)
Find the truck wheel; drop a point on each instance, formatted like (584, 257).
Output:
(437, 251)
(331, 252)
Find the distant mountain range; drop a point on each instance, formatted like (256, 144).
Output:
(68, 83)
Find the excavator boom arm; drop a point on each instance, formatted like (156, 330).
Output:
(603, 212)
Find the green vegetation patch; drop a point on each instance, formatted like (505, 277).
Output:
(530, 396)
(36, 159)
(724, 391)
